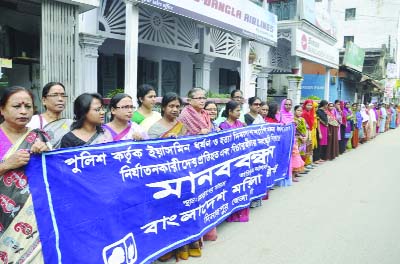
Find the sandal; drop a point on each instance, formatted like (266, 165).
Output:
(195, 249)
(167, 256)
(183, 252)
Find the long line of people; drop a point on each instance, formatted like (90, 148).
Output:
(323, 131)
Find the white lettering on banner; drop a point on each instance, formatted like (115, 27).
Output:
(86, 160)
(246, 183)
(221, 169)
(165, 221)
(162, 151)
(127, 154)
(202, 209)
(239, 199)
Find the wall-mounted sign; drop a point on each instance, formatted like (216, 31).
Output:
(239, 17)
(354, 56)
(314, 49)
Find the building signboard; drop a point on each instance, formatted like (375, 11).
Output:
(243, 18)
(317, 14)
(311, 48)
(389, 87)
(354, 56)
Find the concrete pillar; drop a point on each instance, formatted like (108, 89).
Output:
(245, 70)
(131, 46)
(294, 89)
(262, 89)
(89, 53)
(327, 83)
(202, 68)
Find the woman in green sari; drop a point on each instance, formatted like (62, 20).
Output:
(54, 99)
(19, 237)
(145, 116)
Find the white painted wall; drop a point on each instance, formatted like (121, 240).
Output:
(375, 21)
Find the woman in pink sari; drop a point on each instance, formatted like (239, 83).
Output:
(197, 122)
(121, 127)
(285, 117)
(20, 241)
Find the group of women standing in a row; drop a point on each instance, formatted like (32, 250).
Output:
(321, 133)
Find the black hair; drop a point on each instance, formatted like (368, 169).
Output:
(143, 90)
(354, 104)
(115, 100)
(8, 92)
(167, 98)
(47, 87)
(322, 103)
(273, 109)
(82, 107)
(253, 99)
(263, 103)
(230, 106)
(210, 102)
(297, 107)
(337, 101)
(235, 91)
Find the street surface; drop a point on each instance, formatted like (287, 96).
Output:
(346, 211)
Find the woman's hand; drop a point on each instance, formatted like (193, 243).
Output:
(39, 147)
(17, 160)
(204, 131)
(320, 136)
(137, 136)
(172, 135)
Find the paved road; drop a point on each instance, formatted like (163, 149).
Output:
(346, 211)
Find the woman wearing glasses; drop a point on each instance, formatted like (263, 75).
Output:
(88, 117)
(121, 127)
(145, 116)
(252, 117)
(193, 116)
(51, 121)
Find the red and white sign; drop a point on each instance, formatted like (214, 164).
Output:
(314, 49)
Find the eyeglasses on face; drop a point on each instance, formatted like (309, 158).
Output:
(56, 95)
(199, 98)
(99, 109)
(257, 104)
(126, 107)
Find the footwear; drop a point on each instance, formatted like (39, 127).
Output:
(183, 252)
(255, 203)
(309, 167)
(304, 172)
(194, 249)
(167, 256)
(295, 179)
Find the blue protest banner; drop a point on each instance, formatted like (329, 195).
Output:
(131, 202)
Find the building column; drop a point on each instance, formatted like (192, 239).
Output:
(131, 46)
(262, 89)
(245, 70)
(327, 83)
(294, 89)
(89, 53)
(202, 68)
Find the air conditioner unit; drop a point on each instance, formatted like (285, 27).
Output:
(333, 80)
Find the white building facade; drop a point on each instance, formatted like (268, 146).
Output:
(176, 45)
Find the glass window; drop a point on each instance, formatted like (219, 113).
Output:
(350, 14)
(347, 39)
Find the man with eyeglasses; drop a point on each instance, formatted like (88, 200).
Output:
(236, 95)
